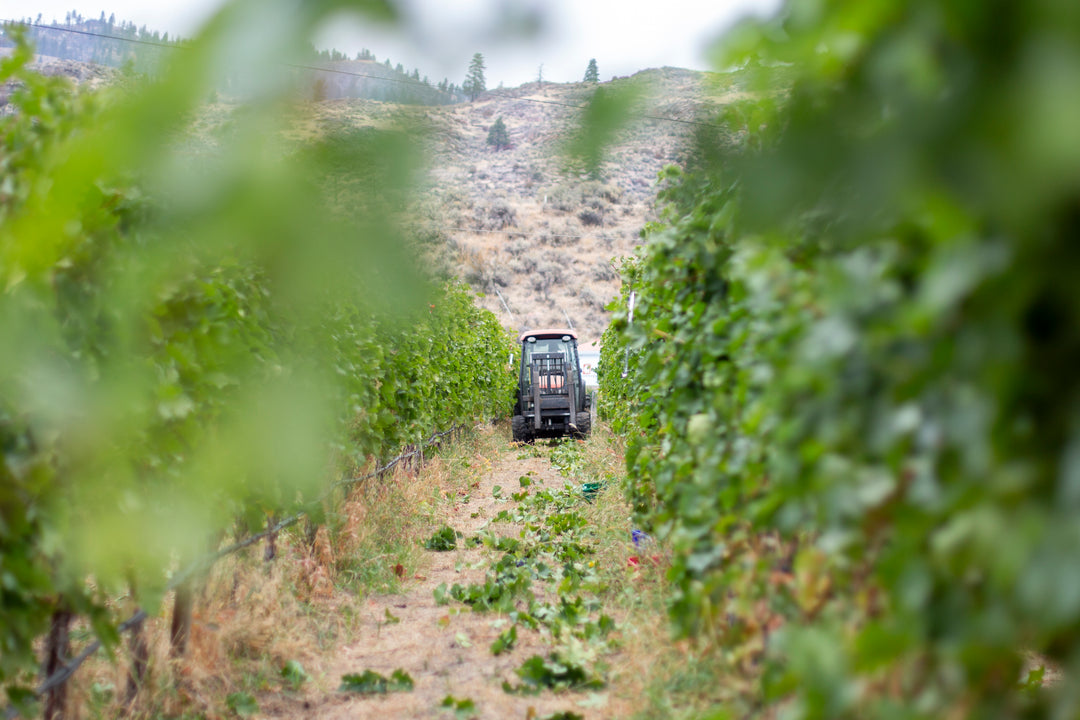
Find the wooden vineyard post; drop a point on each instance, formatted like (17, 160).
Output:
(181, 620)
(57, 652)
(311, 530)
(140, 657)
(271, 540)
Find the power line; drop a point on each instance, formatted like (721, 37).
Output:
(170, 46)
(94, 34)
(351, 73)
(335, 71)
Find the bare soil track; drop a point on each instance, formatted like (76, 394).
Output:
(446, 648)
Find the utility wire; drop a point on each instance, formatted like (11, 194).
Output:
(77, 31)
(170, 46)
(350, 73)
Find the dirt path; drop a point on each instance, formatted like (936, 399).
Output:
(446, 648)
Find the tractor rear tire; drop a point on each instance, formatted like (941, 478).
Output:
(520, 429)
(584, 424)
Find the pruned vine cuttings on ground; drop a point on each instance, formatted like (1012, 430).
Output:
(544, 605)
(542, 578)
(848, 380)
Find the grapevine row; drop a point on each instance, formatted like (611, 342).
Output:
(197, 341)
(848, 383)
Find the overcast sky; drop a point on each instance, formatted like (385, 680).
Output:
(440, 36)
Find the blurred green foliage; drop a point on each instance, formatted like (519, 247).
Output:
(607, 110)
(193, 333)
(851, 396)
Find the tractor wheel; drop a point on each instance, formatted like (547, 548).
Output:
(584, 424)
(520, 429)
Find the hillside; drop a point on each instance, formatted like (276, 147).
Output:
(540, 243)
(371, 80)
(515, 223)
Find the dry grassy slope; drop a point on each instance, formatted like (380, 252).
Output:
(516, 222)
(560, 231)
(91, 76)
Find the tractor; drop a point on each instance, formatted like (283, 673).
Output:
(552, 400)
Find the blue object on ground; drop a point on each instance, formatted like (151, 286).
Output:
(640, 537)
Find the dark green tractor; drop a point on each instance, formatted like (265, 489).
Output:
(552, 400)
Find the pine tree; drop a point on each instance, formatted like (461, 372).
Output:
(592, 73)
(474, 81)
(497, 135)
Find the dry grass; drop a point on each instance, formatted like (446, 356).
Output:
(657, 675)
(236, 642)
(526, 196)
(251, 617)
